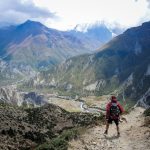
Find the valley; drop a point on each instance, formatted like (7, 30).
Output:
(120, 67)
(54, 86)
(10, 95)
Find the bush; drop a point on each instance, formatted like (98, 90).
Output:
(60, 142)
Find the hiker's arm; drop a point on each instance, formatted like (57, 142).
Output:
(107, 111)
(121, 108)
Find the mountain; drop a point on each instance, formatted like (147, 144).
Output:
(34, 44)
(121, 66)
(31, 46)
(95, 31)
(100, 30)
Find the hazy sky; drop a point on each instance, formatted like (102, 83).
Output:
(65, 14)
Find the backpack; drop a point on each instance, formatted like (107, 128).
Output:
(114, 110)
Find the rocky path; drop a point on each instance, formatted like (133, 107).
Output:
(134, 136)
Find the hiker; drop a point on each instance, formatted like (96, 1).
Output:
(113, 111)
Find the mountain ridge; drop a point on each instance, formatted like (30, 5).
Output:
(42, 46)
(33, 45)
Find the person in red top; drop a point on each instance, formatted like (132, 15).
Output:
(113, 112)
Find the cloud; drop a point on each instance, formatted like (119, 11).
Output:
(148, 3)
(18, 11)
(146, 16)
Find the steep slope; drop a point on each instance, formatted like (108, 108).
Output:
(122, 65)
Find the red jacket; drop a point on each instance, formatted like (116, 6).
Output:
(108, 108)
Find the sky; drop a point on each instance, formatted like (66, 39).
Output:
(66, 14)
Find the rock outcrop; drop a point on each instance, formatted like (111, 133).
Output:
(11, 96)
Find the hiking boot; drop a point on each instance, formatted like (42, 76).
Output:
(106, 132)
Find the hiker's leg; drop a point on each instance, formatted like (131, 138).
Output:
(107, 126)
(118, 130)
(117, 126)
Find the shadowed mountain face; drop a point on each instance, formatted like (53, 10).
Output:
(122, 65)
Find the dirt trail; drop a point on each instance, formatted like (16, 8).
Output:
(134, 136)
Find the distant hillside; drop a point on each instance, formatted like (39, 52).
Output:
(122, 65)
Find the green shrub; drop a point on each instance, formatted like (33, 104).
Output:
(60, 142)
